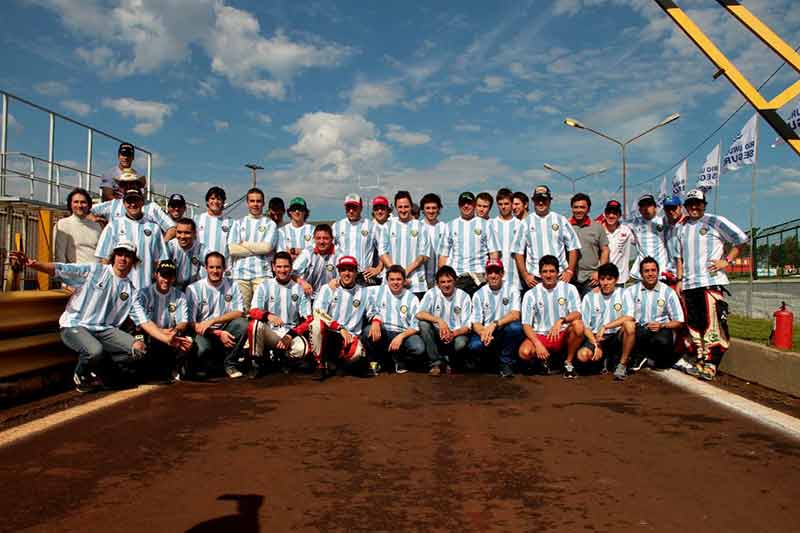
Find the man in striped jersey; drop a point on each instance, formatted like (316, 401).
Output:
(336, 325)
(620, 240)
(701, 265)
(114, 209)
(297, 236)
(316, 267)
(252, 242)
(505, 227)
(216, 310)
(404, 242)
(673, 220)
(609, 326)
(469, 242)
(164, 307)
(187, 253)
(658, 314)
(496, 320)
(431, 205)
(278, 307)
(519, 205)
(545, 233)
(213, 226)
(176, 207)
(392, 339)
(358, 237)
(444, 325)
(145, 234)
(648, 235)
(101, 301)
(551, 320)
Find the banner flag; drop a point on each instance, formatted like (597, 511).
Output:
(709, 174)
(679, 181)
(744, 149)
(663, 193)
(793, 121)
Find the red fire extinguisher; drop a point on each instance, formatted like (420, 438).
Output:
(782, 326)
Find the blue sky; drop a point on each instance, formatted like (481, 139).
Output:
(442, 96)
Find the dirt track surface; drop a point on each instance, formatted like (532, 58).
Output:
(405, 453)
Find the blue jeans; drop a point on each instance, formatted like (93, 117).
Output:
(438, 351)
(94, 346)
(413, 348)
(506, 340)
(210, 348)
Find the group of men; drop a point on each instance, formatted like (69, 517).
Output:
(521, 292)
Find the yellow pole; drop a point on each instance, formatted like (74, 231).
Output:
(44, 249)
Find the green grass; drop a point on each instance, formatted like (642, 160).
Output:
(757, 330)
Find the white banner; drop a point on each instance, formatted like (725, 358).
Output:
(663, 193)
(709, 174)
(679, 181)
(793, 121)
(744, 149)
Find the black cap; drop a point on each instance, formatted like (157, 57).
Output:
(276, 203)
(613, 205)
(126, 149)
(176, 199)
(542, 191)
(646, 198)
(166, 266)
(133, 193)
(466, 198)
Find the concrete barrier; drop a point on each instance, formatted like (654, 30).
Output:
(767, 366)
(767, 297)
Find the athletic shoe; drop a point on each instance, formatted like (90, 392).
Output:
(233, 373)
(683, 365)
(544, 367)
(620, 373)
(642, 363)
(374, 368)
(400, 368)
(694, 370)
(708, 371)
(435, 371)
(88, 382)
(506, 371)
(569, 371)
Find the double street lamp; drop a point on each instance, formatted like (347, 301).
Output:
(575, 124)
(551, 168)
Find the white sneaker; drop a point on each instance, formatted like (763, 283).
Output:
(233, 373)
(683, 365)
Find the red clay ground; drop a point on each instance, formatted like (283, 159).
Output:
(405, 452)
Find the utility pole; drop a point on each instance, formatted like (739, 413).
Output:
(253, 167)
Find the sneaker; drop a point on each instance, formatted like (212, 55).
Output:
(544, 368)
(569, 371)
(506, 371)
(644, 362)
(374, 368)
(620, 373)
(87, 382)
(694, 370)
(400, 368)
(435, 370)
(233, 373)
(683, 365)
(708, 371)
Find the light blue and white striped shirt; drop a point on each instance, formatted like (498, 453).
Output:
(345, 306)
(455, 311)
(506, 232)
(190, 263)
(164, 310)
(598, 309)
(359, 239)
(294, 237)
(538, 236)
(468, 243)
(700, 242)
(252, 229)
(101, 299)
(661, 304)
(113, 209)
(541, 308)
(489, 305)
(648, 240)
(316, 269)
(207, 301)
(404, 242)
(398, 313)
(150, 246)
(212, 232)
(287, 301)
(436, 234)
(671, 242)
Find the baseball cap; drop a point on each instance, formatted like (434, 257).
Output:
(696, 194)
(167, 266)
(129, 174)
(380, 201)
(494, 263)
(614, 205)
(646, 198)
(126, 149)
(133, 193)
(125, 244)
(297, 201)
(353, 199)
(542, 191)
(672, 201)
(466, 198)
(347, 261)
(176, 199)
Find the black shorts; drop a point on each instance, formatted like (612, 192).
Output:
(611, 344)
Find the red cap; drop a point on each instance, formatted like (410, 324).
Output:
(380, 201)
(494, 263)
(347, 260)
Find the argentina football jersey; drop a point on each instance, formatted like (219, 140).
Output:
(113, 209)
(316, 269)
(436, 234)
(489, 305)
(702, 241)
(539, 236)
(455, 311)
(253, 229)
(101, 299)
(648, 240)
(207, 301)
(164, 310)
(359, 239)
(598, 309)
(299, 238)
(189, 263)
(150, 246)
(467, 245)
(506, 232)
(346, 306)
(659, 304)
(403, 242)
(397, 313)
(212, 232)
(541, 308)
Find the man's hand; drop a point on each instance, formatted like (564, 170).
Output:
(347, 337)
(334, 283)
(655, 326)
(307, 288)
(183, 344)
(139, 346)
(600, 333)
(375, 332)
(396, 344)
(201, 327)
(227, 339)
(284, 343)
(371, 272)
(530, 280)
(555, 331)
(445, 333)
(716, 266)
(598, 351)
(566, 276)
(487, 336)
(541, 351)
(275, 320)
(19, 261)
(594, 281)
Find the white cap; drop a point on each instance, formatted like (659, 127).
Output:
(695, 194)
(353, 199)
(125, 244)
(129, 174)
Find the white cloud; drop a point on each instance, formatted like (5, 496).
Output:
(79, 108)
(148, 114)
(51, 88)
(365, 96)
(263, 118)
(400, 135)
(221, 125)
(534, 96)
(452, 174)
(492, 84)
(471, 128)
(547, 109)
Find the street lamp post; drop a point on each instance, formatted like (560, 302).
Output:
(623, 145)
(551, 168)
(253, 168)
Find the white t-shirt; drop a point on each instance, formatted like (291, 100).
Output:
(620, 242)
(76, 240)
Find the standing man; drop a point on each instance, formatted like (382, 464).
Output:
(176, 207)
(187, 253)
(213, 226)
(469, 242)
(216, 310)
(109, 188)
(115, 208)
(594, 243)
(392, 337)
(496, 320)
(545, 233)
(620, 240)
(519, 205)
(648, 235)
(251, 244)
(505, 227)
(358, 237)
(551, 321)
(483, 205)
(673, 220)
(76, 235)
(701, 266)
(275, 210)
(297, 235)
(404, 242)
(315, 267)
(145, 235)
(444, 325)
(431, 206)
